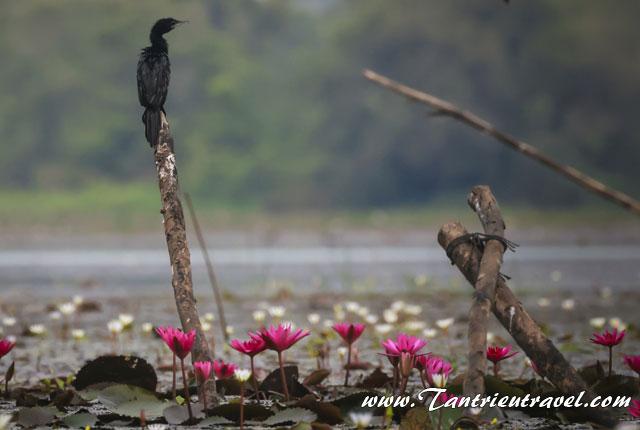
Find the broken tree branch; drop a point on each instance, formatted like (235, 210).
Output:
(213, 279)
(176, 236)
(482, 201)
(445, 108)
(524, 330)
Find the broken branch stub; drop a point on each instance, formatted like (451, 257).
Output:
(482, 201)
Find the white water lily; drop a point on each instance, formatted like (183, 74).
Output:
(445, 323)
(543, 302)
(147, 327)
(430, 333)
(9, 321)
(5, 421)
(242, 375)
(439, 379)
(277, 311)
(67, 308)
(413, 310)
(363, 312)
(126, 320)
(77, 300)
(371, 319)
(55, 315)
(115, 327)
(568, 304)
(598, 322)
(352, 307)
(259, 315)
(209, 317)
(383, 329)
(397, 306)
(414, 325)
(37, 329)
(390, 316)
(342, 352)
(360, 420)
(78, 334)
(606, 292)
(230, 330)
(421, 280)
(490, 336)
(205, 326)
(313, 318)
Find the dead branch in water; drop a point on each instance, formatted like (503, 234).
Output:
(524, 330)
(213, 279)
(445, 108)
(482, 201)
(176, 236)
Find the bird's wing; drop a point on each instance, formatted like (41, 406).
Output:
(153, 80)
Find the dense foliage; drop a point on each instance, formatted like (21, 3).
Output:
(268, 106)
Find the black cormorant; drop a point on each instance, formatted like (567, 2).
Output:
(154, 71)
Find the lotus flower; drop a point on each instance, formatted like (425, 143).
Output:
(350, 333)
(634, 409)
(223, 370)
(202, 369)
(496, 354)
(438, 371)
(6, 346)
(608, 339)
(402, 354)
(255, 345)
(633, 361)
(280, 338)
(203, 372)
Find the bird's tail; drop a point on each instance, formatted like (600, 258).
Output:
(151, 120)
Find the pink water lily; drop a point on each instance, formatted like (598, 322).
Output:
(438, 371)
(349, 332)
(608, 339)
(496, 354)
(6, 346)
(633, 361)
(178, 341)
(202, 370)
(634, 409)
(402, 354)
(279, 339)
(252, 347)
(223, 370)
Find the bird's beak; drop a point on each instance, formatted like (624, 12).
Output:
(182, 22)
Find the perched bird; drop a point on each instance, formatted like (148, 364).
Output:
(154, 71)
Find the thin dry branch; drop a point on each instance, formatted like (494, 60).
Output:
(483, 202)
(445, 108)
(213, 279)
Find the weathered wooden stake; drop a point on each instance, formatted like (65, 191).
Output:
(482, 201)
(176, 236)
(524, 330)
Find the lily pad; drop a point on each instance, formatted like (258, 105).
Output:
(376, 379)
(129, 400)
(214, 421)
(327, 413)
(176, 414)
(416, 419)
(231, 411)
(316, 377)
(273, 382)
(36, 416)
(291, 416)
(80, 420)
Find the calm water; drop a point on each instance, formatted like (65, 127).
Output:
(340, 268)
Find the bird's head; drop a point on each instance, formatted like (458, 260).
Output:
(165, 25)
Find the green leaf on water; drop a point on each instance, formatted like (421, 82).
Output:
(129, 400)
(36, 416)
(291, 415)
(80, 420)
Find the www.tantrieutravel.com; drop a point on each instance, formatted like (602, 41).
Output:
(478, 402)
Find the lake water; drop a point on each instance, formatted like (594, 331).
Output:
(246, 269)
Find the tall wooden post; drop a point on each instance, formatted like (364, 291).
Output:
(176, 236)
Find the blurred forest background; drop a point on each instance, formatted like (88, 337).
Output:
(270, 112)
